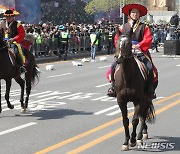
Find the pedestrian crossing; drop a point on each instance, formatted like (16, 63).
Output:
(113, 110)
(50, 100)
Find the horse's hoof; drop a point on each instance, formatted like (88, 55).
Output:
(139, 142)
(145, 136)
(125, 148)
(11, 106)
(132, 144)
(23, 110)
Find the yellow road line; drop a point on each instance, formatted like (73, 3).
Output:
(60, 144)
(167, 98)
(109, 135)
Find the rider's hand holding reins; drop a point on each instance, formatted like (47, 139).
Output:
(11, 40)
(135, 47)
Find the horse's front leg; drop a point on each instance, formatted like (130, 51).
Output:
(135, 122)
(8, 87)
(123, 108)
(21, 82)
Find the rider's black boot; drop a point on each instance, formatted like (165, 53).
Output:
(151, 93)
(111, 91)
(21, 66)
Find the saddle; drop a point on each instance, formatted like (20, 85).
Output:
(142, 68)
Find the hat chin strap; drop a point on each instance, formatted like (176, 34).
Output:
(134, 21)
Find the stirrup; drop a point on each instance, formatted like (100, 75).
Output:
(111, 92)
(151, 97)
(22, 69)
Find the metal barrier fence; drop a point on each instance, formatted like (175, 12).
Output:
(76, 44)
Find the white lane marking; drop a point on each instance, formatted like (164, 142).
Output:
(178, 65)
(99, 98)
(75, 94)
(59, 75)
(14, 102)
(105, 110)
(53, 93)
(118, 111)
(105, 98)
(40, 101)
(103, 85)
(104, 66)
(82, 96)
(159, 97)
(17, 128)
(45, 99)
(45, 92)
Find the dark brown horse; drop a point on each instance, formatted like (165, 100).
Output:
(9, 70)
(131, 87)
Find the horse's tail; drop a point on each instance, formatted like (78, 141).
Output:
(35, 75)
(151, 113)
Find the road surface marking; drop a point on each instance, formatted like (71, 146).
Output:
(15, 102)
(105, 110)
(109, 135)
(118, 111)
(167, 98)
(104, 66)
(103, 85)
(178, 65)
(59, 75)
(53, 93)
(91, 131)
(67, 96)
(105, 98)
(17, 128)
(45, 92)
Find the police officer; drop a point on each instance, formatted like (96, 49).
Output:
(64, 37)
(110, 40)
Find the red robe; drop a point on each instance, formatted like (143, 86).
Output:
(142, 34)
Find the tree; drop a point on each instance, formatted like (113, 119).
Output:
(97, 6)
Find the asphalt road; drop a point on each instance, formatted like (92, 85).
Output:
(69, 112)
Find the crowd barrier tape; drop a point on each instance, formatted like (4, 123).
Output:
(75, 44)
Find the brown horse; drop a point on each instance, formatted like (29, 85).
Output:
(9, 70)
(131, 87)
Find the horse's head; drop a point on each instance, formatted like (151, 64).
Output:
(124, 46)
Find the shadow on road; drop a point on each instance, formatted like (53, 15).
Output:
(57, 114)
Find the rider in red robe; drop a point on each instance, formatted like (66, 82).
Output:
(141, 37)
(15, 33)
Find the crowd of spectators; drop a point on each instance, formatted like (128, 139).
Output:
(50, 33)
